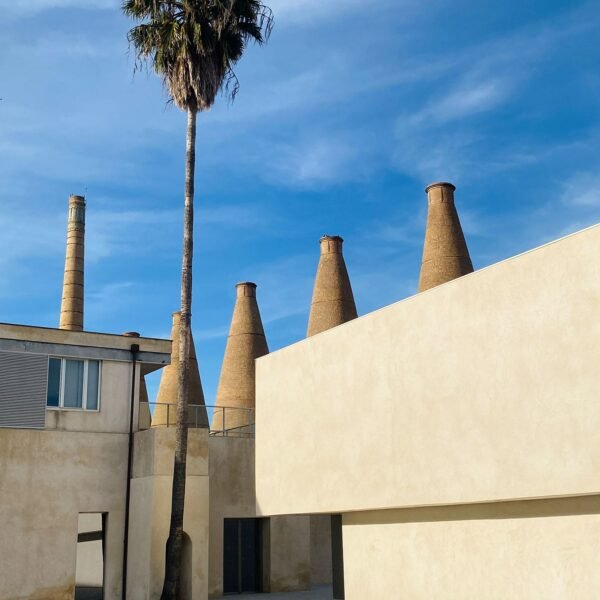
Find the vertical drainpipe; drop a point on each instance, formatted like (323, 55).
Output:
(134, 349)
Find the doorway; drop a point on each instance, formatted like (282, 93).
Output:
(242, 556)
(91, 548)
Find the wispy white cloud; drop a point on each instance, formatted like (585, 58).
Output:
(25, 235)
(302, 11)
(445, 138)
(315, 161)
(129, 232)
(54, 45)
(582, 190)
(31, 236)
(30, 7)
(466, 100)
(211, 333)
(236, 216)
(429, 148)
(320, 159)
(285, 286)
(109, 298)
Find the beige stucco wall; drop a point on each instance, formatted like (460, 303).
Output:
(151, 509)
(289, 554)
(231, 464)
(481, 389)
(286, 540)
(546, 549)
(46, 479)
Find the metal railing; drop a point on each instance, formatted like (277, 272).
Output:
(221, 421)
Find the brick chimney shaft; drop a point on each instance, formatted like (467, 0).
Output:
(71, 310)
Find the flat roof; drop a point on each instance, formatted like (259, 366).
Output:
(86, 344)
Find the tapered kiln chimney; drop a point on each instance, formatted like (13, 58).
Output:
(332, 305)
(166, 399)
(445, 254)
(332, 301)
(71, 310)
(247, 342)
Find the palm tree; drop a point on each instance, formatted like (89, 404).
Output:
(193, 46)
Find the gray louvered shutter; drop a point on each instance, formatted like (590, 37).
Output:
(23, 386)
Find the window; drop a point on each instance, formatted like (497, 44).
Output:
(73, 383)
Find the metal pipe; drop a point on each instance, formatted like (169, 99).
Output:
(135, 348)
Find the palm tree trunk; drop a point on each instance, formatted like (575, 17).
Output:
(175, 541)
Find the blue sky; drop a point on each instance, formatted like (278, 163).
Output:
(345, 116)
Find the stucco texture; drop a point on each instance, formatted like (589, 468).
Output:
(151, 510)
(481, 389)
(286, 540)
(47, 479)
(231, 463)
(546, 549)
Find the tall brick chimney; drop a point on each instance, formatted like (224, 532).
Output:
(246, 343)
(445, 253)
(71, 310)
(333, 300)
(166, 398)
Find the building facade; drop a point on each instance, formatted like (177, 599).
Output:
(442, 447)
(65, 417)
(459, 437)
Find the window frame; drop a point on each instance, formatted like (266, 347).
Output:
(84, 394)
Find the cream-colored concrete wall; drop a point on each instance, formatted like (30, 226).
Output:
(113, 416)
(546, 549)
(482, 389)
(46, 479)
(232, 495)
(151, 510)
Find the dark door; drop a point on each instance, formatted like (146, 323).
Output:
(241, 556)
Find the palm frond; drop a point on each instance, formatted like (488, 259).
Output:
(194, 44)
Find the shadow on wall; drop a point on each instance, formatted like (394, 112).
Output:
(186, 569)
(520, 509)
